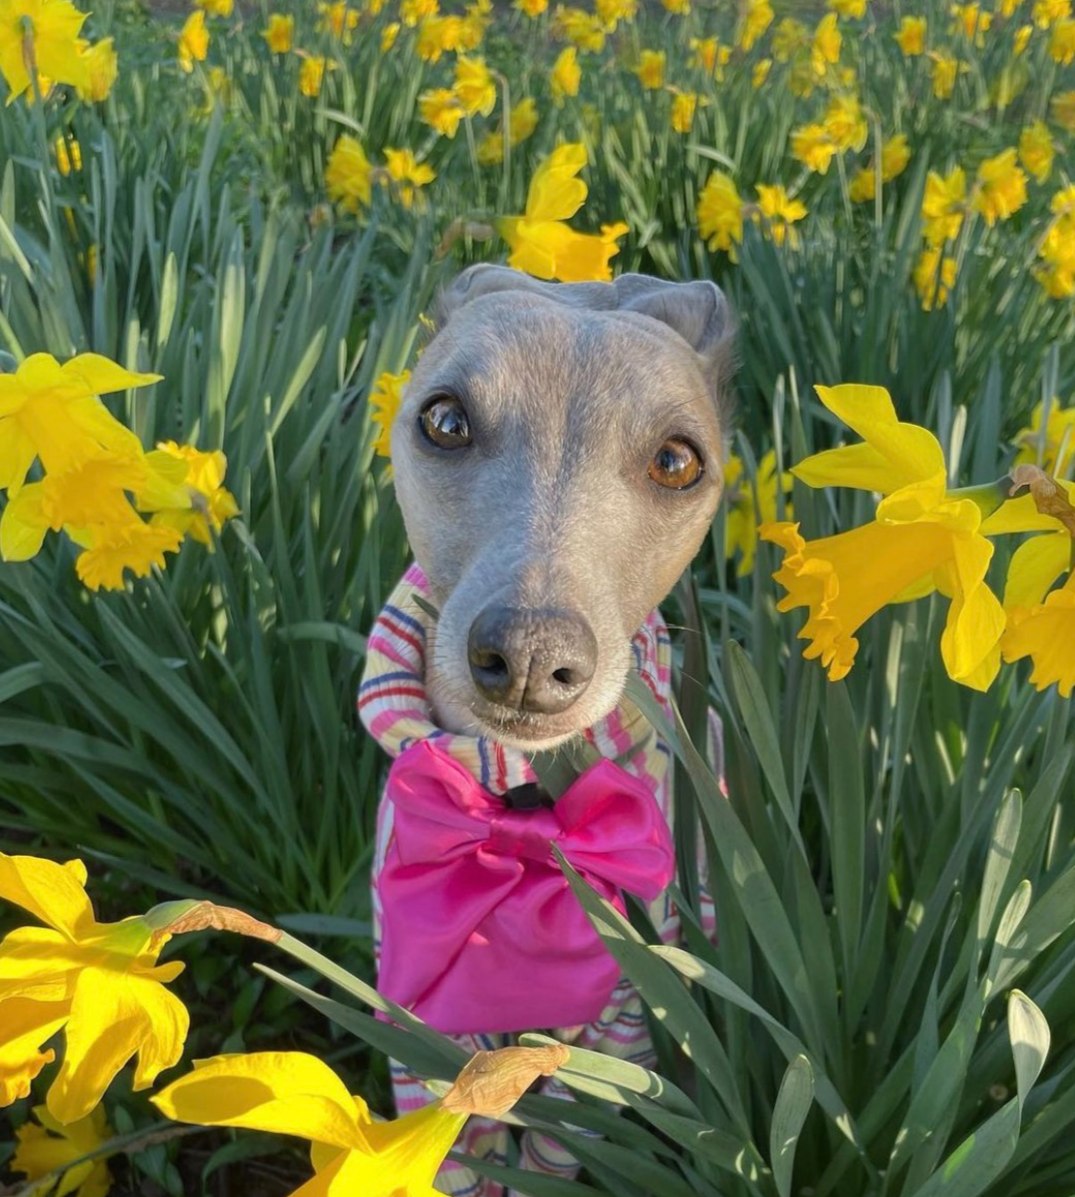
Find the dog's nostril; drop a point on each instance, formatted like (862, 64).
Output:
(535, 660)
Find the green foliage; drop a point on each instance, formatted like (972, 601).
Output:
(894, 854)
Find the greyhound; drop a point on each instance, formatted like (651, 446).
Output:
(558, 461)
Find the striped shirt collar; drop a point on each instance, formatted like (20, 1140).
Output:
(395, 708)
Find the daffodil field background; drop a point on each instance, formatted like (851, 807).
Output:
(897, 851)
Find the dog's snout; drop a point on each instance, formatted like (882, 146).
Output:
(531, 659)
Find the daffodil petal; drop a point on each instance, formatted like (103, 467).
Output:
(23, 525)
(859, 466)
(913, 453)
(17, 453)
(1022, 515)
(975, 618)
(39, 963)
(555, 193)
(1035, 566)
(25, 1026)
(330, 1180)
(1046, 633)
(113, 1016)
(411, 1149)
(49, 891)
(100, 376)
(287, 1092)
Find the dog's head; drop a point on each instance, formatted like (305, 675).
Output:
(558, 459)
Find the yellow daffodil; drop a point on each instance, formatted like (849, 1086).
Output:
(202, 502)
(292, 1093)
(109, 550)
(541, 242)
(684, 106)
(442, 109)
(844, 123)
(103, 66)
(412, 11)
(407, 173)
(385, 399)
(748, 503)
(337, 19)
(348, 174)
(612, 12)
(583, 30)
(47, 1146)
(679, 8)
(760, 73)
(943, 206)
(524, 120)
(475, 87)
(1062, 110)
(703, 55)
(777, 212)
(1022, 37)
(41, 35)
(1001, 187)
(216, 8)
(53, 412)
(895, 154)
(720, 212)
(280, 33)
(1062, 42)
(295, 1094)
(100, 982)
(312, 75)
(388, 36)
(826, 44)
(971, 22)
(1036, 150)
(1047, 12)
(565, 76)
(1045, 632)
(1048, 443)
(650, 69)
(946, 69)
(853, 10)
(813, 146)
(911, 36)
(438, 35)
(922, 539)
(193, 41)
(532, 8)
(757, 17)
(790, 38)
(934, 278)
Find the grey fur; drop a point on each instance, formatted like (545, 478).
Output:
(570, 390)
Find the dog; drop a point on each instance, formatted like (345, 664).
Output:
(558, 460)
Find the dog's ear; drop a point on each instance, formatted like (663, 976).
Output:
(484, 279)
(697, 311)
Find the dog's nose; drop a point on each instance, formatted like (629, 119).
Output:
(533, 659)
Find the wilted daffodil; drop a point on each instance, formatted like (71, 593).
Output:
(541, 242)
(99, 982)
(924, 538)
(292, 1093)
(47, 1146)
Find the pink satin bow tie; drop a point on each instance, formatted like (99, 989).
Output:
(481, 932)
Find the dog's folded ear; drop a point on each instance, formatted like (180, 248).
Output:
(697, 311)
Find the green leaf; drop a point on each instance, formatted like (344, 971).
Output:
(793, 1102)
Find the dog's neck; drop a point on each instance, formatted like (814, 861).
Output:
(395, 708)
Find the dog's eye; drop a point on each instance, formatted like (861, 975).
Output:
(444, 422)
(676, 465)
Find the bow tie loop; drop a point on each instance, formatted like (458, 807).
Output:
(481, 930)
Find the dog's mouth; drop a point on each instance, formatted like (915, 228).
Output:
(532, 730)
